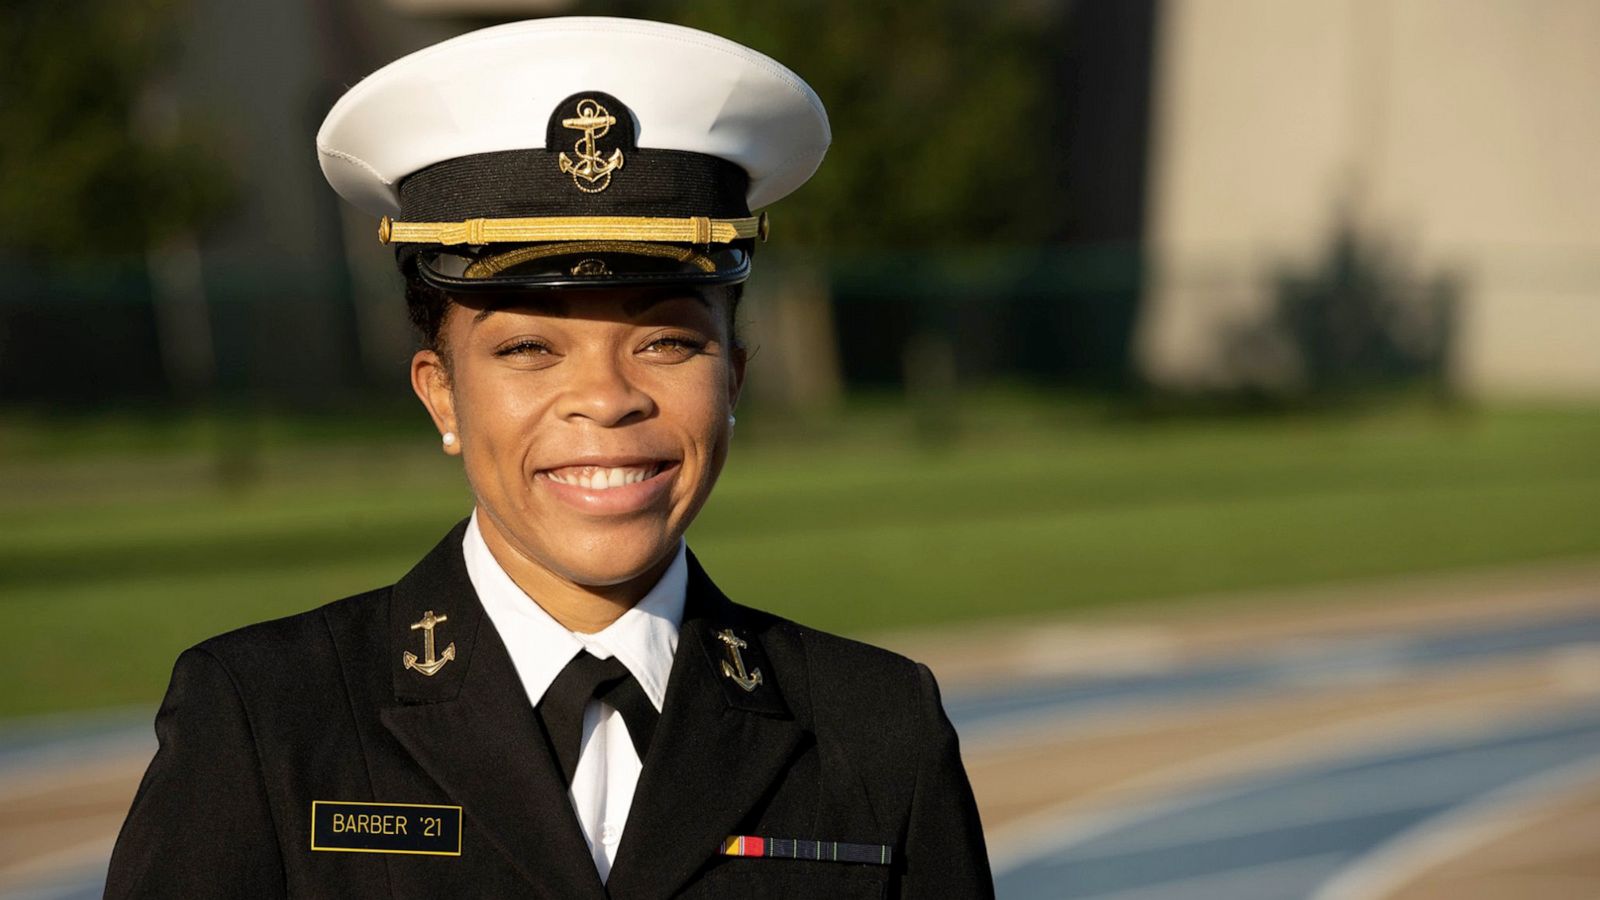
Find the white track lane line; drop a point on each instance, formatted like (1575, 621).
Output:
(1052, 829)
(1454, 833)
(87, 854)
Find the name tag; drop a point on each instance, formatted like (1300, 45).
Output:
(385, 828)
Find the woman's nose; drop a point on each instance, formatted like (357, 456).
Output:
(602, 393)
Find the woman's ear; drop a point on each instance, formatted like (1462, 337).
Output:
(430, 379)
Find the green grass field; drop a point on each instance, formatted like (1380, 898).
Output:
(121, 544)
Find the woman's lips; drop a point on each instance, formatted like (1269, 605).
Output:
(609, 489)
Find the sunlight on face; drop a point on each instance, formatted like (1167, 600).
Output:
(593, 424)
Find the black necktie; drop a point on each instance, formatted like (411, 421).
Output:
(588, 677)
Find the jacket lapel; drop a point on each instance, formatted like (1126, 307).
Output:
(471, 728)
(715, 753)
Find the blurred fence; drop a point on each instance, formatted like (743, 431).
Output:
(278, 331)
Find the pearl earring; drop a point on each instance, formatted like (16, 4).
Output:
(449, 438)
(732, 421)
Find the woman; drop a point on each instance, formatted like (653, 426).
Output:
(557, 701)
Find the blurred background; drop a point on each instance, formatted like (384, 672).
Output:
(1207, 389)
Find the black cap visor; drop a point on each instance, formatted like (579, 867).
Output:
(581, 264)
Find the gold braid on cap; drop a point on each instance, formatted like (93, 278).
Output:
(689, 230)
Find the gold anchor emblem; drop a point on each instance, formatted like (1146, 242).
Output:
(591, 167)
(735, 669)
(429, 665)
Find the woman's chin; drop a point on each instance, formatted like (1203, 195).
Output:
(616, 559)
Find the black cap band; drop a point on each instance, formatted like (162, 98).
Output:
(515, 183)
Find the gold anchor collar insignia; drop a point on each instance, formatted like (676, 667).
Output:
(429, 664)
(591, 173)
(733, 666)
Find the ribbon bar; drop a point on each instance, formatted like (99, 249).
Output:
(818, 851)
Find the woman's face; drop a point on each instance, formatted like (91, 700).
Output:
(592, 424)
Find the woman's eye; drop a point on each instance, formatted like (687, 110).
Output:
(675, 346)
(523, 347)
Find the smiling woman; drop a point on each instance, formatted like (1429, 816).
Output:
(557, 701)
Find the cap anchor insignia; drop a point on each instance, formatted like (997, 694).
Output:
(429, 665)
(591, 167)
(733, 667)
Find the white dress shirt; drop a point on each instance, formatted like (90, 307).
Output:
(644, 638)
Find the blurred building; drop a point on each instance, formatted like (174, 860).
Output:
(1462, 135)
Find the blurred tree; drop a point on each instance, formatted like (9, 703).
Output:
(936, 108)
(1350, 325)
(940, 112)
(104, 183)
(93, 162)
(1362, 319)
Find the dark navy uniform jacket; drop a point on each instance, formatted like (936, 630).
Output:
(841, 742)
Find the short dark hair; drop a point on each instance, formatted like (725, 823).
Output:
(428, 305)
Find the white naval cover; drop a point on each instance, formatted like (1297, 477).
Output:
(494, 89)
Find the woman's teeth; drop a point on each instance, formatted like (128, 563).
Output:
(600, 478)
